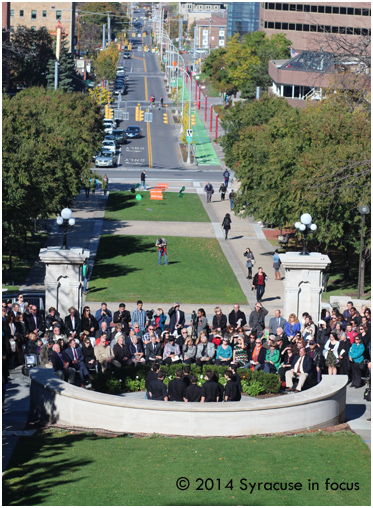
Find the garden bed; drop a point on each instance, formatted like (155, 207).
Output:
(184, 154)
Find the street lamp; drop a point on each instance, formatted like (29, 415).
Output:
(363, 210)
(65, 221)
(305, 225)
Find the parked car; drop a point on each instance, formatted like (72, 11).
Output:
(110, 145)
(133, 131)
(106, 159)
(120, 71)
(201, 51)
(119, 89)
(120, 136)
(108, 128)
(110, 137)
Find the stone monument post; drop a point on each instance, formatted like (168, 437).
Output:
(63, 278)
(303, 283)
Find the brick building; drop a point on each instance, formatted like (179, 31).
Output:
(211, 33)
(45, 15)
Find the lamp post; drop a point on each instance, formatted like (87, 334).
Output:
(305, 226)
(65, 221)
(363, 210)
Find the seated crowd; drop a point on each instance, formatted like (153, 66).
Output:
(297, 351)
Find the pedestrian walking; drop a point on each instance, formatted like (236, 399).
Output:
(276, 265)
(226, 176)
(143, 179)
(85, 274)
(161, 244)
(226, 224)
(231, 196)
(259, 283)
(105, 184)
(209, 189)
(222, 190)
(250, 260)
(161, 102)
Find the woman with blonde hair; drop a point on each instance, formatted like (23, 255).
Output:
(189, 351)
(292, 326)
(198, 340)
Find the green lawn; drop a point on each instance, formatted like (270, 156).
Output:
(59, 468)
(126, 268)
(124, 206)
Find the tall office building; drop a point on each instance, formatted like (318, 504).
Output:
(243, 17)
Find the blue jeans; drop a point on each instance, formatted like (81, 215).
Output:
(259, 292)
(85, 282)
(144, 184)
(160, 258)
(231, 202)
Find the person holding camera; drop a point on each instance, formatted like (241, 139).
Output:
(103, 314)
(161, 244)
(177, 318)
(123, 317)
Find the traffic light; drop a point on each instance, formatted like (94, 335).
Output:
(129, 47)
(165, 118)
(111, 113)
(193, 119)
(141, 115)
(137, 114)
(107, 111)
(143, 34)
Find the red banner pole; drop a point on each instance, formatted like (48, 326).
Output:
(211, 119)
(205, 108)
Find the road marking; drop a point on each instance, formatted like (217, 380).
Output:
(149, 140)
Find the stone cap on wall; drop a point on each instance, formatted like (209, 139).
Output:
(56, 255)
(314, 261)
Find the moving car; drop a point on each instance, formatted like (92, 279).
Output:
(120, 71)
(120, 136)
(126, 55)
(119, 89)
(106, 159)
(110, 145)
(133, 131)
(111, 138)
(201, 51)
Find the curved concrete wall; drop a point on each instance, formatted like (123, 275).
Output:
(318, 407)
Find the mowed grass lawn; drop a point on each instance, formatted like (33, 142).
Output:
(126, 269)
(124, 206)
(58, 468)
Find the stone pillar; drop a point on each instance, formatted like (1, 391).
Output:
(63, 278)
(303, 283)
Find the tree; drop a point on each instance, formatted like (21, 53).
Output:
(191, 31)
(29, 52)
(68, 79)
(95, 13)
(105, 64)
(49, 139)
(100, 95)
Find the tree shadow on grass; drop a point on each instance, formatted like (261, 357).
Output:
(37, 467)
(118, 201)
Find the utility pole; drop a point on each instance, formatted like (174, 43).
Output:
(194, 47)
(180, 27)
(103, 36)
(108, 29)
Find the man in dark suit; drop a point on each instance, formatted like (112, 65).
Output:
(301, 368)
(177, 318)
(176, 387)
(152, 376)
(193, 391)
(210, 390)
(153, 351)
(76, 360)
(276, 322)
(34, 322)
(237, 318)
(123, 316)
(61, 366)
(72, 322)
(157, 389)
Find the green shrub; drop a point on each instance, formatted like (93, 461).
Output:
(255, 388)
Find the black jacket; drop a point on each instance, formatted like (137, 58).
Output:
(124, 318)
(233, 318)
(69, 325)
(257, 321)
(87, 323)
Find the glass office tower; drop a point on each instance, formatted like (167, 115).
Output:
(243, 17)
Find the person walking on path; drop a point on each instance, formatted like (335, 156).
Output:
(105, 184)
(231, 196)
(161, 244)
(222, 190)
(259, 283)
(85, 273)
(226, 224)
(143, 179)
(226, 176)
(209, 189)
(276, 265)
(250, 260)
(161, 102)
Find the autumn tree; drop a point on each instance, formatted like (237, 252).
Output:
(105, 64)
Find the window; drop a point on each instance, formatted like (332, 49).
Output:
(11, 13)
(342, 10)
(334, 29)
(306, 8)
(271, 6)
(350, 11)
(321, 9)
(366, 12)
(306, 28)
(313, 28)
(285, 26)
(44, 28)
(44, 14)
(299, 7)
(342, 29)
(208, 7)
(365, 32)
(291, 26)
(357, 12)
(33, 28)
(33, 14)
(277, 26)
(21, 13)
(335, 10)
(11, 28)
(350, 30)
(285, 7)
(293, 7)
(313, 8)
(278, 6)
(357, 31)
(288, 91)
(271, 24)
(58, 15)
(328, 9)
(298, 27)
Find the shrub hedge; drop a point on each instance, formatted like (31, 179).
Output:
(132, 379)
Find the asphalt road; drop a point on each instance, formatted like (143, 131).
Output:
(157, 150)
